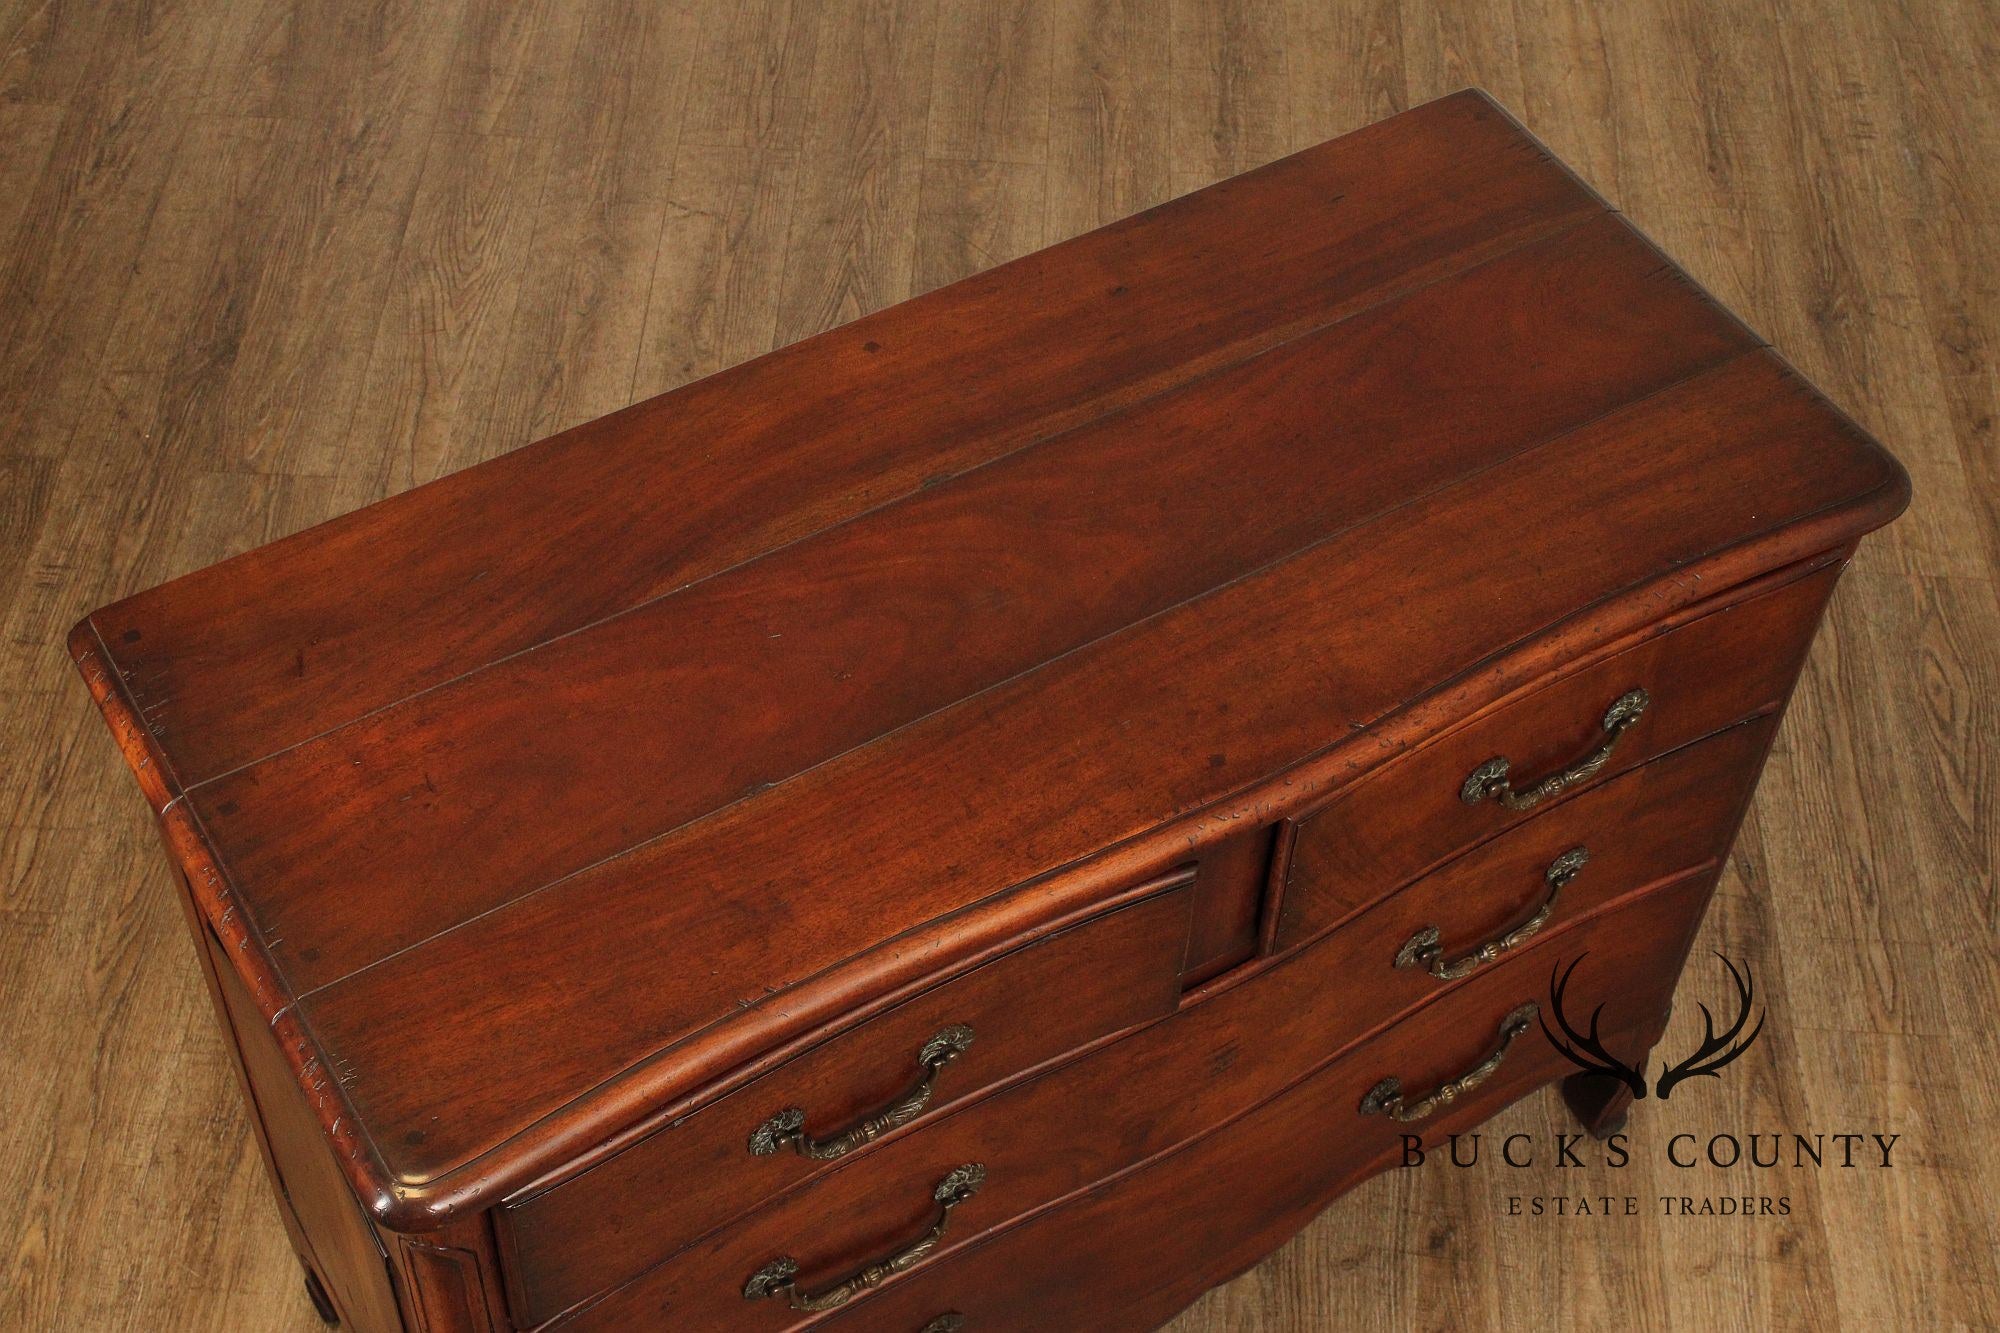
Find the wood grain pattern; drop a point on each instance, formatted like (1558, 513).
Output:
(393, 625)
(1079, 1276)
(808, 652)
(184, 182)
(670, 1188)
(1355, 659)
(1222, 1056)
(1405, 818)
(522, 843)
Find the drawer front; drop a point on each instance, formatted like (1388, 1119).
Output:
(646, 1202)
(1675, 815)
(1400, 820)
(1061, 1131)
(1135, 1250)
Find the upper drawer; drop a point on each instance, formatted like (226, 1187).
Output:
(1662, 820)
(1405, 817)
(666, 1190)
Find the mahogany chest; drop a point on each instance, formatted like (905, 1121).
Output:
(992, 817)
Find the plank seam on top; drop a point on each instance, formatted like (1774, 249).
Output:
(1556, 194)
(1363, 521)
(500, 1145)
(608, 850)
(1531, 237)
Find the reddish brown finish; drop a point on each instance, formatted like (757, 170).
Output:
(1674, 815)
(281, 644)
(1061, 1133)
(1407, 816)
(1288, 669)
(1229, 887)
(667, 1190)
(861, 629)
(1108, 1260)
(342, 1250)
(1657, 832)
(544, 817)
(1218, 1065)
(451, 1280)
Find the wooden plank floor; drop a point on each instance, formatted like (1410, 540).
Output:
(264, 261)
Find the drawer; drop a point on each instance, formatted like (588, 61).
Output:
(1058, 1132)
(1398, 821)
(1130, 1252)
(1674, 815)
(654, 1197)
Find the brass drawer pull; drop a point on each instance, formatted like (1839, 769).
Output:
(775, 1278)
(1386, 1097)
(949, 1322)
(1489, 780)
(786, 1129)
(1425, 949)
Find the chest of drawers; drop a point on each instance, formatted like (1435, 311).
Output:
(993, 816)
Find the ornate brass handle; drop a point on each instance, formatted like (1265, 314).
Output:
(1489, 780)
(1386, 1097)
(786, 1129)
(775, 1278)
(949, 1322)
(1425, 950)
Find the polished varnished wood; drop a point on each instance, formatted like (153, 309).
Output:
(251, 431)
(340, 1247)
(1073, 1268)
(689, 1174)
(418, 592)
(814, 650)
(1097, 1118)
(1076, 1125)
(1230, 891)
(572, 958)
(860, 746)
(943, 642)
(1405, 818)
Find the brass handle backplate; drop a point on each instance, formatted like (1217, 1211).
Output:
(1386, 1097)
(776, 1279)
(1490, 782)
(786, 1129)
(1426, 950)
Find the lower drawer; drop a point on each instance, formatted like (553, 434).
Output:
(1133, 1251)
(1061, 1132)
(659, 1194)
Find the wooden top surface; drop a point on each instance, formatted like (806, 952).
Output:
(535, 797)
